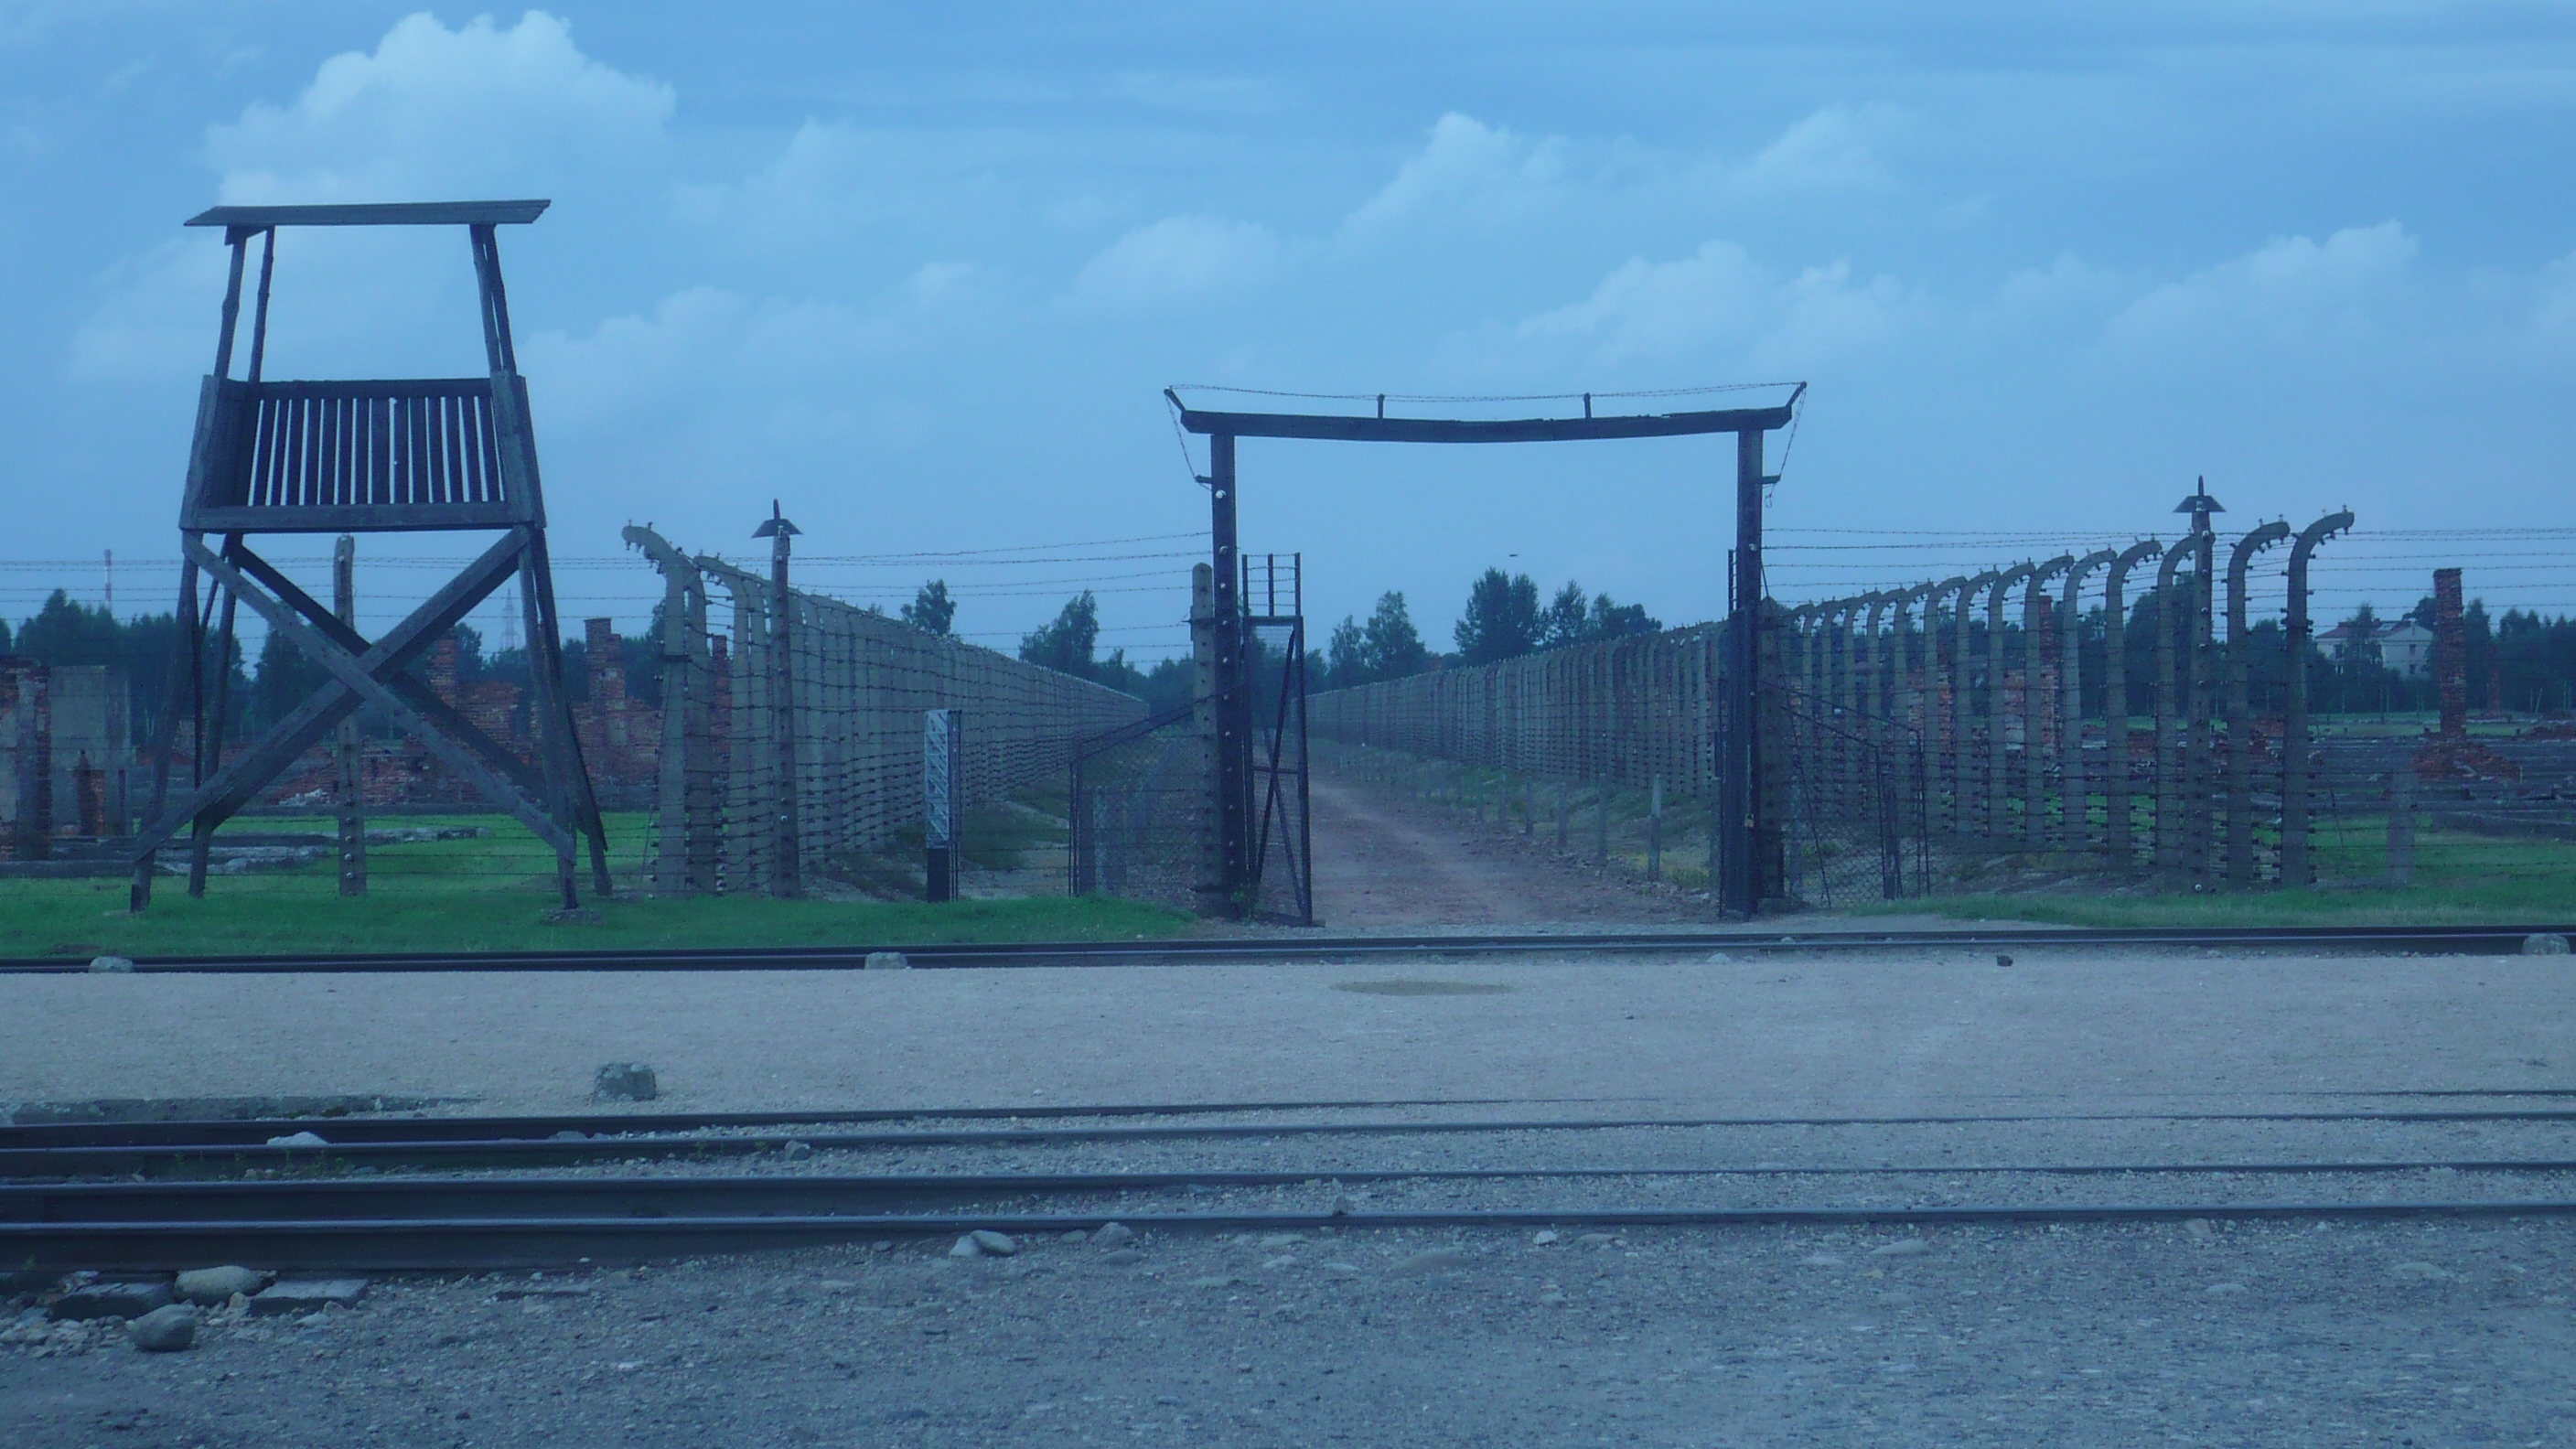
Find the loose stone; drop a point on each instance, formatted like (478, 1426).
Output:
(299, 1139)
(1114, 1235)
(1429, 1260)
(307, 1295)
(1906, 1248)
(887, 961)
(123, 965)
(625, 1082)
(797, 1151)
(165, 1330)
(112, 1300)
(217, 1285)
(2547, 943)
(1000, 1245)
(1543, 1237)
(966, 1248)
(1122, 1256)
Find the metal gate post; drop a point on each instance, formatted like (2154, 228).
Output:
(1739, 749)
(1232, 688)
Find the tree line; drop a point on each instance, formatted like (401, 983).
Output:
(2524, 659)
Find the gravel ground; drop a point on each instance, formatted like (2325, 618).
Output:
(2236, 1335)
(1900, 1032)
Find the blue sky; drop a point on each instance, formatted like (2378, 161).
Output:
(920, 272)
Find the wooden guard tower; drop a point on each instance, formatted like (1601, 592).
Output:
(451, 455)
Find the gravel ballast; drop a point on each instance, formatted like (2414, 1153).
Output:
(2244, 1335)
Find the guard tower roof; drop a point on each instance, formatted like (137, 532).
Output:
(400, 213)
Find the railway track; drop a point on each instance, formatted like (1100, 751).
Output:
(2447, 939)
(431, 1144)
(331, 1207)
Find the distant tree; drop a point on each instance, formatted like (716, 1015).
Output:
(1392, 649)
(1171, 684)
(281, 679)
(1501, 620)
(1345, 661)
(145, 647)
(1565, 622)
(931, 610)
(1617, 621)
(1570, 620)
(1066, 644)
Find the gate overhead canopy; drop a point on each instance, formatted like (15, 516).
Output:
(1739, 805)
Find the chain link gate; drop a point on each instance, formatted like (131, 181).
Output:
(1858, 826)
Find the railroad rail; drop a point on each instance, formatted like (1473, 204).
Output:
(328, 1207)
(2442, 939)
(486, 1243)
(71, 1161)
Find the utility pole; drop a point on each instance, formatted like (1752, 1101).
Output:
(352, 749)
(1739, 746)
(789, 879)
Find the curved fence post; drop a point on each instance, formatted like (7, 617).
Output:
(2240, 719)
(2297, 867)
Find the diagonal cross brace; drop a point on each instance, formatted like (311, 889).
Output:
(356, 679)
(446, 717)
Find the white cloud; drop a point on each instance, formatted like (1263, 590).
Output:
(834, 183)
(1465, 168)
(435, 113)
(430, 114)
(2291, 286)
(1836, 148)
(711, 350)
(1177, 258)
(1719, 307)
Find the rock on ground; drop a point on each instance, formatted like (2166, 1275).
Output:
(307, 1295)
(165, 1330)
(625, 1082)
(112, 1300)
(217, 1285)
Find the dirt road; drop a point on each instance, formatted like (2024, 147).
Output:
(1387, 863)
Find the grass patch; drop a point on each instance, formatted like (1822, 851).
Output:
(2459, 879)
(493, 893)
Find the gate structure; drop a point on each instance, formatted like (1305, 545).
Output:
(384, 456)
(1747, 828)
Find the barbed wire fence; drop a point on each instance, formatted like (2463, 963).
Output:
(796, 748)
(2121, 716)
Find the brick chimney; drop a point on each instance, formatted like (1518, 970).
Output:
(442, 669)
(2451, 653)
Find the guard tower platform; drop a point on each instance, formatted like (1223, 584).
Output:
(356, 457)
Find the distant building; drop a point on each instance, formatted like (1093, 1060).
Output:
(2403, 645)
(66, 756)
